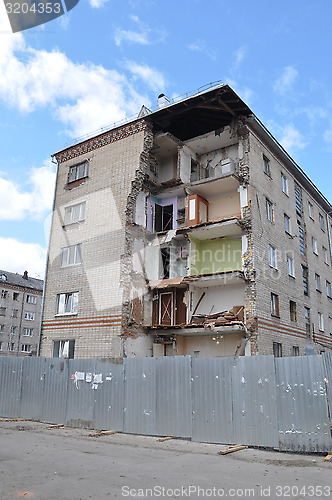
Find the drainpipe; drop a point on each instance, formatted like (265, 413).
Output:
(20, 327)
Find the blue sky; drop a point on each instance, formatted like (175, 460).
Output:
(104, 59)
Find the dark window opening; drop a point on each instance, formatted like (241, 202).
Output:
(163, 218)
(194, 171)
(292, 310)
(64, 349)
(78, 172)
(305, 276)
(165, 262)
(277, 350)
(307, 321)
(302, 241)
(296, 350)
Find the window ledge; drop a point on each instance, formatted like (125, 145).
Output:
(66, 314)
(319, 291)
(275, 316)
(292, 276)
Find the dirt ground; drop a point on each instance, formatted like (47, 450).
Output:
(66, 464)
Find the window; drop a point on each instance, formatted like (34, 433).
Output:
(15, 313)
(197, 210)
(11, 346)
(290, 266)
(296, 350)
(27, 332)
(320, 322)
(64, 349)
(75, 213)
(305, 276)
(274, 304)
(311, 210)
(324, 250)
(16, 295)
(26, 348)
(287, 224)
(163, 218)
(194, 171)
(317, 282)
(2, 311)
(330, 324)
(2, 328)
(3, 277)
(269, 210)
(67, 303)
(4, 294)
(165, 262)
(272, 257)
(298, 200)
(30, 316)
(277, 350)
(292, 311)
(302, 241)
(328, 289)
(267, 167)
(0, 346)
(321, 222)
(307, 321)
(314, 245)
(78, 172)
(13, 330)
(284, 184)
(71, 255)
(31, 299)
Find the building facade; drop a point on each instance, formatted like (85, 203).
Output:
(20, 313)
(189, 230)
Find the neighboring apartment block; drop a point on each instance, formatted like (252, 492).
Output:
(189, 230)
(20, 310)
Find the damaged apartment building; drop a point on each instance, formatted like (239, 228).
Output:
(187, 231)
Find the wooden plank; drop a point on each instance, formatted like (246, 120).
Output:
(55, 426)
(161, 440)
(328, 457)
(231, 449)
(103, 433)
(13, 420)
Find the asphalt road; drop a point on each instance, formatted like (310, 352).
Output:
(66, 464)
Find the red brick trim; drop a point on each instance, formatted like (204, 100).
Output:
(100, 141)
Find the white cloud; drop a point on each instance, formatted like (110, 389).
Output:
(16, 204)
(238, 55)
(327, 136)
(150, 76)
(288, 136)
(201, 46)
(97, 4)
(286, 80)
(143, 36)
(17, 257)
(84, 97)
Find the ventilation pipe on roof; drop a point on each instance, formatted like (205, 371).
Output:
(163, 101)
(25, 275)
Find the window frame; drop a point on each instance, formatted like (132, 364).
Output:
(266, 166)
(277, 349)
(269, 210)
(321, 222)
(292, 311)
(290, 266)
(25, 330)
(275, 311)
(74, 251)
(320, 321)
(317, 282)
(328, 289)
(31, 299)
(73, 211)
(284, 184)
(273, 257)
(311, 210)
(80, 170)
(305, 280)
(287, 224)
(314, 245)
(28, 350)
(68, 299)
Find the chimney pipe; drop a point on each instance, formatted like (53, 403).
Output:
(163, 101)
(25, 275)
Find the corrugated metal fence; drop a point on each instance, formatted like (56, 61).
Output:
(282, 403)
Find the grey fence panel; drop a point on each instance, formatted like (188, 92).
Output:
(55, 372)
(109, 397)
(302, 405)
(174, 408)
(33, 379)
(140, 396)
(212, 400)
(254, 401)
(10, 387)
(83, 382)
(327, 359)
